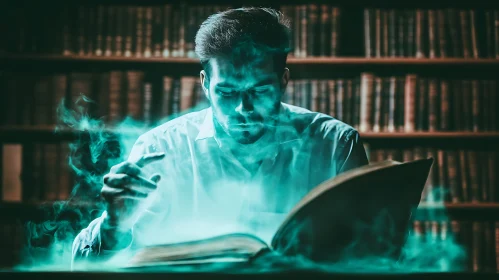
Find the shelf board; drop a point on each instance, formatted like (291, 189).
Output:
(48, 129)
(78, 58)
(291, 60)
(18, 132)
(412, 135)
(422, 205)
(392, 61)
(41, 204)
(464, 205)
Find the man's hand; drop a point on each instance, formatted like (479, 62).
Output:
(125, 186)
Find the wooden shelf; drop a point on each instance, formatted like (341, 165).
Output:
(422, 205)
(291, 60)
(412, 135)
(485, 211)
(78, 58)
(481, 205)
(41, 204)
(278, 272)
(343, 3)
(392, 61)
(48, 132)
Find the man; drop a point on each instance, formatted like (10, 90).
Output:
(240, 165)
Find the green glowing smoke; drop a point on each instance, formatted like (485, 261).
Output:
(98, 148)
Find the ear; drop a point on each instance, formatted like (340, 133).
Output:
(204, 83)
(284, 80)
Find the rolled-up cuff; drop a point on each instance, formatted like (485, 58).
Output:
(88, 245)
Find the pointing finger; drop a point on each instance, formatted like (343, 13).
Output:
(117, 180)
(148, 158)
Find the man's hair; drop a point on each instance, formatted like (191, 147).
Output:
(244, 34)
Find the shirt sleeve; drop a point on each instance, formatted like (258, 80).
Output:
(88, 247)
(352, 154)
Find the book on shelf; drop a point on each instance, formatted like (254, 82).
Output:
(39, 172)
(459, 175)
(154, 31)
(379, 198)
(431, 32)
(318, 30)
(109, 97)
(369, 102)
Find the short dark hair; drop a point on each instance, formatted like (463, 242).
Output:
(244, 33)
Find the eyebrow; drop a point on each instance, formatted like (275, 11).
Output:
(263, 82)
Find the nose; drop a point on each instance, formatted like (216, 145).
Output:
(245, 105)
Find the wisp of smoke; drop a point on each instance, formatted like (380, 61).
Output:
(97, 148)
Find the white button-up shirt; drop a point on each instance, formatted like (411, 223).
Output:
(205, 190)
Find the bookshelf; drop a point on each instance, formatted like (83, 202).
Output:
(440, 127)
(333, 61)
(483, 205)
(21, 133)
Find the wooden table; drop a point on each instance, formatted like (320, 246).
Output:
(12, 275)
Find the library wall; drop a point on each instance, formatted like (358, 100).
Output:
(416, 82)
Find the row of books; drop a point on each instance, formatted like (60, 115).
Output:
(431, 33)
(457, 175)
(461, 245)
(401, 103)
(169, 30)
(369, 102)
(49, 177)
(156, 31)
(315, 29)
(107, 96)
(110, 30)
(420, 103)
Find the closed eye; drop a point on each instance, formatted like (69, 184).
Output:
(226, 92)
(264, 89)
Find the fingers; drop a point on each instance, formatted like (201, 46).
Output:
(124, 186)
(111, 193)
(149, 158)
(126, 168)
(124, 180)
(155, 178)
(134, 169)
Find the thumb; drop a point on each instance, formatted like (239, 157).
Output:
(155, 178)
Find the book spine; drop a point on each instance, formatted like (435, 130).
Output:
(410, 93)
(367, 81)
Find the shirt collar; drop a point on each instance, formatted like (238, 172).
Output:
(285, 132)
(207, 129)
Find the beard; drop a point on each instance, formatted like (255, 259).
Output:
(248, 130)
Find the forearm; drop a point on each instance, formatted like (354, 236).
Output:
(114, 238)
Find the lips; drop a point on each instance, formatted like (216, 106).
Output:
(245, 126)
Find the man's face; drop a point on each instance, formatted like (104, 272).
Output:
(245, 98)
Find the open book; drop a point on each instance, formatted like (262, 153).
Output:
(360, 213)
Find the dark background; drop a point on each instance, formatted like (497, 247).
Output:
(32, 49)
